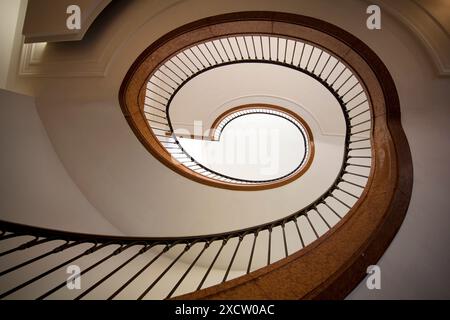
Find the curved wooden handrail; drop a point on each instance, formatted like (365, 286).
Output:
(332, 265)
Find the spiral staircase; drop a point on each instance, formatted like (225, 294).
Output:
(173, 225)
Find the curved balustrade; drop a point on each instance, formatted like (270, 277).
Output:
(307, 224)
(353, 219)
(312, 60)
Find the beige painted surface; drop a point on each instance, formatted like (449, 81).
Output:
(8, 24)
(34, 185)
(45, 20)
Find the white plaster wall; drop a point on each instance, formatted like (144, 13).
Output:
(34, 186)
(9, 17)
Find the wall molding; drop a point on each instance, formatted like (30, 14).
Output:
(44, 25)
(33, 64)
(426, 28)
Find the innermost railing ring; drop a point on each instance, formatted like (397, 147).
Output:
(228, 116)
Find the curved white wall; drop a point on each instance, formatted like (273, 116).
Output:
(8, 24)
(34, 186)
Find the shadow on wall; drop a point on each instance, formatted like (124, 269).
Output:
(35, 188)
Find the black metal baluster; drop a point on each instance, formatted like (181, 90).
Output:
(231, 47)
(352, 183)
(239, 47)
(166, 65)
(32, 260)
(192, 62)
(270, 48)
(25, 245)
(262, 48)
(358, 114)
(9, 236)
(278, 48)
(186, 65)
(196, 57)
(332, 210)
(232, 259)
(84, 271)
(360, 140)
(224, 242)
(217, 51)
(343, 83)
(358, 132)
(210, 53)
(359, 104)
(269, 245)
(186, 248)
(155, 115)
(340, 201)
(332, 69)
(224, 50)
(293, 52)
(99, 282)
(40, 276)
(309, 58)
(312, 227)
(169, 77)
(159, 122)
(254, 47)
(317, 62)
(255, 236)
(204, 56)
(164, 250)
(161, 88)
(345, 191)
(284, 240)
(157, 101)
(246, 48)
(155, 76)
(187, 271)
(354, 97)
(324, 66)
(301, 55)
(299, 233)
(351, 88)
(337, 78)
(323, 219)
(360, 123)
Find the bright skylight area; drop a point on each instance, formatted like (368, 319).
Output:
(255, 146)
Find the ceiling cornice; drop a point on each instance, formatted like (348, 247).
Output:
(421, 20)
(45, 20)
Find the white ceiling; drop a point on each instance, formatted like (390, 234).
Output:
(211, 93)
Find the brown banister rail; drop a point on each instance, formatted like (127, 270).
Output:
(328, 267)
